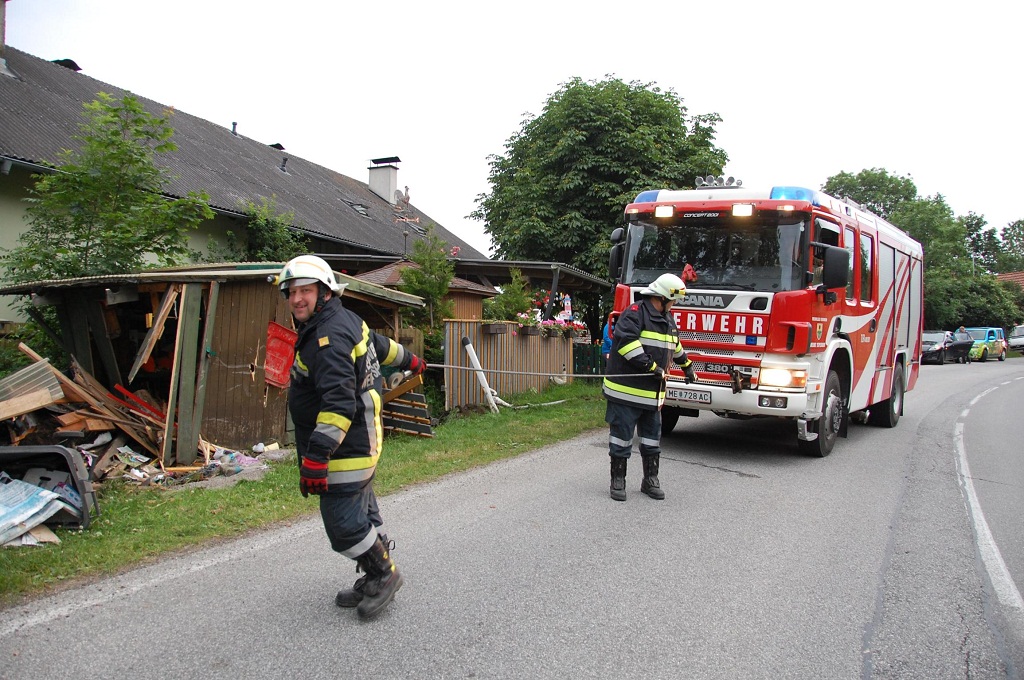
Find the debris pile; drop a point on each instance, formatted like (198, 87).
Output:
(64, 434)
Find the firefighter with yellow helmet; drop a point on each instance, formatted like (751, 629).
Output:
(334, 399)
(644, 344)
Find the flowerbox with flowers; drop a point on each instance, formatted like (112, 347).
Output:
(529, 323)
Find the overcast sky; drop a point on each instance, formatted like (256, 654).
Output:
(806, 89)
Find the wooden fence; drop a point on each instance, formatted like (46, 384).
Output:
(532, 361)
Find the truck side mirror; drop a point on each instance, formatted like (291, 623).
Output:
(615, 255)
(835, 270)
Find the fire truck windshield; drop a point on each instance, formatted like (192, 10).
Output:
(732, 253)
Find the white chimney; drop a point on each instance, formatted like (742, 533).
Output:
(384, 177)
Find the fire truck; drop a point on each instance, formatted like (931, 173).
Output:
(798, 305)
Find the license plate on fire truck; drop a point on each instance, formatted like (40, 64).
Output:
(687, 394)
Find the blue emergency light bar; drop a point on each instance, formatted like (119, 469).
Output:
(795, 194)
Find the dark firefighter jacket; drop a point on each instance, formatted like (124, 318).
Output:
(334, 395)
(643, 339)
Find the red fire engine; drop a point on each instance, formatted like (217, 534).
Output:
(799, 305)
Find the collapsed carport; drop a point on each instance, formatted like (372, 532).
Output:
(206, 340)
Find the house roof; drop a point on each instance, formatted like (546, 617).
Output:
(41, 110)
(1013, 277)
(486, 272)
(390, 275)
(209, 272)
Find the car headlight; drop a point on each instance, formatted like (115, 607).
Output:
(782, 377)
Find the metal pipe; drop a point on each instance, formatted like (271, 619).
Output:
(481, 378)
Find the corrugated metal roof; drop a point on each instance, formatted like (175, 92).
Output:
(41, 111)
(201, 273)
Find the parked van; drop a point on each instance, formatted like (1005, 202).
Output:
(1016, 339)
(988, 342)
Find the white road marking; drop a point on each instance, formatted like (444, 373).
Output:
(1002, 583)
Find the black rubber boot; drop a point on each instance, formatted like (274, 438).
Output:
(354, 595)
(650, 484)
(382, 580)
(618, 490)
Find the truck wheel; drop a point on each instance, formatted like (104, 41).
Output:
(887, 413)
(669, 418)
(830, 422)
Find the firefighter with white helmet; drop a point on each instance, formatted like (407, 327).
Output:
(334, 401)
(644, 344)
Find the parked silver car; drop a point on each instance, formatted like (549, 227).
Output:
(1016, 338)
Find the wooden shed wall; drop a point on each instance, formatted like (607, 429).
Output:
(241, 408)
(509, 351)
(467, 306)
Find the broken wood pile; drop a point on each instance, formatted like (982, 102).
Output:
(406, 411)
(46, 404)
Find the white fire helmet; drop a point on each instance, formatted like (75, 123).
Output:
(668, 286)
(307, 269)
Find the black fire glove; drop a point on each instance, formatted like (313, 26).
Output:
(658, 371)
(689, 372)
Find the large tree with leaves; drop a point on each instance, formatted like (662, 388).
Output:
(876, 189)
(102, 211)
(566, 176)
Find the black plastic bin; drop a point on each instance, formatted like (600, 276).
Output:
(16, 460)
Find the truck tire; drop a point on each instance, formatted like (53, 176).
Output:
(827, 427)
(1002, 355)
(984, 355)
(669, 418)
(887, 413)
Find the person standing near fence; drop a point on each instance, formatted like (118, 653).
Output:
(644, 344)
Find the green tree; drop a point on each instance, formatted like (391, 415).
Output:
(102, 211)
(268, 236)
(1011, 257)
(566, 176)
(944, 238)
(875, 189)
(515, 297)
(430, 280)
(983, 244)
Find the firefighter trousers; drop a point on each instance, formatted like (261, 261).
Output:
(351, 517)
(623, 421)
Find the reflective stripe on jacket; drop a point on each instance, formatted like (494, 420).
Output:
(644, 339)
(334, 394)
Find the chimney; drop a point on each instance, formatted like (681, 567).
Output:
(384, 177)
(3, 40)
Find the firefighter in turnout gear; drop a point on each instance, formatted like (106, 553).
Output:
(334, 399)
(644, 344)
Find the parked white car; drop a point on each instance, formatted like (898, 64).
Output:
(1016, 338)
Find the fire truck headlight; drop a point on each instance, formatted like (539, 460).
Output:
(742, 210)
(663, 211)
(782, 377)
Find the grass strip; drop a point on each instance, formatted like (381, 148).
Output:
(138, 524)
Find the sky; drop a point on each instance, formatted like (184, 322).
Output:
(805, 89)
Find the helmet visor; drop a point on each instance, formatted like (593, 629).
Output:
(288, 283)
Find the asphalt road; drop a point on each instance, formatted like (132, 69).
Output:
(882, 560)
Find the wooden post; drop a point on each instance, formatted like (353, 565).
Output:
(185, 360)
(193, 435)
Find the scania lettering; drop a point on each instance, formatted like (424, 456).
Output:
(799, 305)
